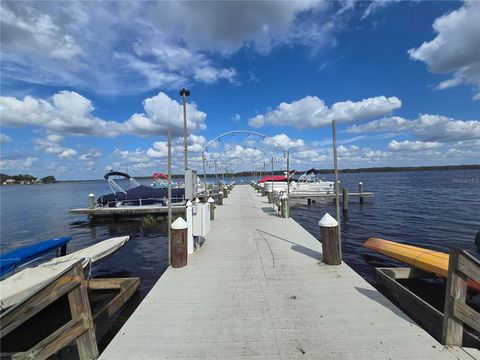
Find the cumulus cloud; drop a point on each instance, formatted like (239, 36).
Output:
(5, 138)
(311, 112)
(51, 144)
(91, 155)
(17, 164)
(426, 127)
(169, 44)
(70, 113)
(67, 153)
(413, 145)
(455, 47)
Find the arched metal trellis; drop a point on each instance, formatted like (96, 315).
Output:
(285, 150)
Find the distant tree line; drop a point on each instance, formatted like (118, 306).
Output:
(27, 178)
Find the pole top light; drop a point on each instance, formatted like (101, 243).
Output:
(184, 92)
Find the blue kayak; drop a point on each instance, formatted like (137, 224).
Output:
(12, 259)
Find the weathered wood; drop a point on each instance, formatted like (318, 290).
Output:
(345, 199)
(212, 208)
(26, 309)
(470, 266)
(220, 198)
(80, 308)
(452, 332)
(270, 196)
(179, 249)
(127, 287)
(329, 239)
(55, 341)
(466, 314)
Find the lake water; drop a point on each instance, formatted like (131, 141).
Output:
(433, 209)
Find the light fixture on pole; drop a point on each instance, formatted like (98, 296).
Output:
(184, 93)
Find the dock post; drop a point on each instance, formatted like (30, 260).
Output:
(329, 238)
(189, 216)
(225, 192)
(270, 196)
(179, 243)
(345, 200)
(211, 202)
(360, 191)
(264, 191)
(309, 202)
(91, 201)
(285, 209)
(220, 198)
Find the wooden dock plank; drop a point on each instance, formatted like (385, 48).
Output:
(258, 289)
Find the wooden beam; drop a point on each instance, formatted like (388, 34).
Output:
(470, 266)
(452, 332)
(80, 308)
(466, 314)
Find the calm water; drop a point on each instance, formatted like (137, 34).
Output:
(434, 209)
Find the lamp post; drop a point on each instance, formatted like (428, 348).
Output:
(184, 93)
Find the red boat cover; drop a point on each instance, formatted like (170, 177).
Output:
(157, 176)
(273, 178)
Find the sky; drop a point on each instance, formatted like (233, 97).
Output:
(91, 86)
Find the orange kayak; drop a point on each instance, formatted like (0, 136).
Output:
(430, 261)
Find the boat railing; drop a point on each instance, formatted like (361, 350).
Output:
(463, 268)
(144, 202)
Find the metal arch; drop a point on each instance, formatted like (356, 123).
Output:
(285, 150)
(234, 147)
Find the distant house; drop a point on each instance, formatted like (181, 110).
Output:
(8, 182)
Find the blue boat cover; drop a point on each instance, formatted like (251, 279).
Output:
(12, 259)
(148, 195)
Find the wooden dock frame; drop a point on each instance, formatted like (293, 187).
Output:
(81, 328)
(432, 319)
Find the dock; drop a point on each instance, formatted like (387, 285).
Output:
(258, 288)
(127, 210)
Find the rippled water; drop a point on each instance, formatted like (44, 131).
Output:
(434, 209)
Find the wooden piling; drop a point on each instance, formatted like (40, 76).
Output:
(220, 198)
(212, 208)
(91, 201)
(179, 243)
(309, 202)
(329, 238)
(270, 196)
(360, 191)
(345, 200)
(225, 192)
(285, 211)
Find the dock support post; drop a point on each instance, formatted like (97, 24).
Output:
(360, 191)
(91, 201)
(345, 200)
(211, 202)
(189, 216)
(63, 250)
(179, 243)
(309, 202)
(270, 196)
(220, 198)
(329, 238)
(225, 192)
(285, 210)
(264, 191)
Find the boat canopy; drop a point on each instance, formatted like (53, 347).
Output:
(116, 173)
(273, 178)
(157, 176)
(313, 171)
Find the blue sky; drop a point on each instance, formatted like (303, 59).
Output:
(86, 87)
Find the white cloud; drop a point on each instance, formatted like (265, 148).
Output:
(376, 5)
(287, 142)
(164, 44)
(455, 49)
(17, 164)
(236, 118)
(413, 145)
(91, 155)
(210, 75)
(67, 153)
(70, 113)
(426, 127)
(5, 138)
(311, 112)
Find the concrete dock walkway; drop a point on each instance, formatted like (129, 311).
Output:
(258, 289)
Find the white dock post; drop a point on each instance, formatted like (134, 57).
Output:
(189, 215)
(211, 204)
(91, 201)
(270, 196)
(225, 192)
(220, 198)
(329, 238)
